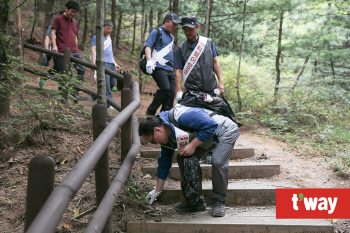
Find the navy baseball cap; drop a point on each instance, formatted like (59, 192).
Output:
(189, 21)
(173, 17)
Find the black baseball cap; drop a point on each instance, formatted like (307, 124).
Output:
(173, 17)
(189, 21)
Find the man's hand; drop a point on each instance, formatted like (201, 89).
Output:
(54, 48)
(179, 96)
(152, 196)
(150, 67)
(117, 67)
(187, 150)
(221, 87)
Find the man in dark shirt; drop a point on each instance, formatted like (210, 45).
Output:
(201, 77)
(64, 33)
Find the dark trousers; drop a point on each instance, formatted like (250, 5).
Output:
(58, 67)
(164, 96)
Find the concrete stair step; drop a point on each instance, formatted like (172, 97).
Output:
(111, 112)
(86, 103)
(237, 153)
(239, 192)
(236, 220)
(237, 170)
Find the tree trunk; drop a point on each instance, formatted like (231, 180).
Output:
(120, 19)
(160, 17)
(31, 39)
(143, 32)
(83, 42)
(308, 56)
(170, 6)
(100, 58)
(113, 18)
(150, 20)
(206, 32)
(239, 100)
(134, 33)
(278, 69)
(48, 18)
(175, 34)
(92, 25)
(4, 92)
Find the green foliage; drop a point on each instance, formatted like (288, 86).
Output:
(134, 192)
(36, 109)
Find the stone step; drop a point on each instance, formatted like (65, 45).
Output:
(86, 103)
(237, 153)
(237, 170)
(239, 192)
(236, 220)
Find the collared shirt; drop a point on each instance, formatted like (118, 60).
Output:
(108, 51)
(66, 33)
(162, 42)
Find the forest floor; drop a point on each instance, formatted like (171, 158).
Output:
(298, 166)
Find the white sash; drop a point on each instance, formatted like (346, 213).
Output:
(159, 56)
(192, 60)
(182, 138)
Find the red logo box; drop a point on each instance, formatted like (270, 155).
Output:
(312, 203)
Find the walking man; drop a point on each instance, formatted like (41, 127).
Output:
(108, 55)
(160, 64)
(196, 61)
(209, 131)
(64, 33)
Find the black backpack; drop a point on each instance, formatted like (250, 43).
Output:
(219, 105)
(143, 61)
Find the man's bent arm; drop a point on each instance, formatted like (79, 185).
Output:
(159, 185)
(178, 80)
(93, 54)
(148, 53)
(217, 69)
(53, 40)
(47, 42)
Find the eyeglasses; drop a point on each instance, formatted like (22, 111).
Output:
(108, 29)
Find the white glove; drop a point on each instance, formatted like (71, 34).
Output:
(150, 66)
(152, 196)
(179, 96)
(95, 75)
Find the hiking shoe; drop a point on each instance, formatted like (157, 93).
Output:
(218, 209)
(184, 206)
(206, 158)
(76, 96)
(93, 98)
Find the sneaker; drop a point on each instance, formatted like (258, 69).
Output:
(76, 96)
(111, 107)
(184, 206)
(218, 209)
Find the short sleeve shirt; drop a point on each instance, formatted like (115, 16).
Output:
(178, 62)
(160, 44)
(66, 33)
(48, 33)
(108, 51)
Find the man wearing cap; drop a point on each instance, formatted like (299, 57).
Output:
(159, 64)
(196, 60)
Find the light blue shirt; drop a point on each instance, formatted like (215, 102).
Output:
(108, 51)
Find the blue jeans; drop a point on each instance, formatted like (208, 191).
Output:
(110, 81)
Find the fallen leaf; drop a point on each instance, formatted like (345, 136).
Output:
(66, 226)
(79, 150)
(76, 212)
(65, 160)
(139, 168)
(21, 170)
(334, 220)
(10, 160)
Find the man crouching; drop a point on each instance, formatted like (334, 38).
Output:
(193, 132)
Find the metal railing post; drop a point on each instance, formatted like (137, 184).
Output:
(102, 179)
(66, 66)
(126, 130)
(41, 178)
